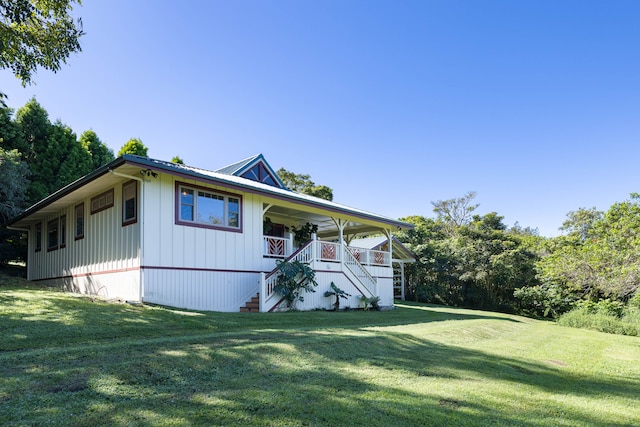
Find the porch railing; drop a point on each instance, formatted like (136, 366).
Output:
(268, 281)
(358, 270)
(277, 247)
(370, 256)
(281, 247)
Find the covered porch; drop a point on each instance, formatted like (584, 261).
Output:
(322, 239)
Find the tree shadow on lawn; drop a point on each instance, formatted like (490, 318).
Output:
(38, 319)
(291, 378)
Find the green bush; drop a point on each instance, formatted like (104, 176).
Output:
(635, 300)
(600, 320)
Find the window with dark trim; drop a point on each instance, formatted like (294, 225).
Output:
(129, 203)
(102, 201)
(53, 228)
(260, 173)
(78, 222)
(63, 231)
(38, 246)
(203, 207)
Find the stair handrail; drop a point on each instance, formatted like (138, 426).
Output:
(358, 270)
(268, 281)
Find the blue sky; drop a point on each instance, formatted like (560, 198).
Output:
(393, 104)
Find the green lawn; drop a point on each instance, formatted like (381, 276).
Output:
(68, 360)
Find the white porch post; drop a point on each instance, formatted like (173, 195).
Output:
(341, 224)
(314, 247)
(389, 235)
(402, 281)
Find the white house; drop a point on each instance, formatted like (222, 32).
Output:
(147, 230)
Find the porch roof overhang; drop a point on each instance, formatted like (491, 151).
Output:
(284, 201)
(400, 251)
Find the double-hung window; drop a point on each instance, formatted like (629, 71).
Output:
(53, 234)
(78, 232)
(63, 232)
(207, 208)
(129, 203)
(38, 237)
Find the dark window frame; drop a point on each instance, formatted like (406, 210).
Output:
(128, 221)
(62, 238)
(79, 208)
(194, 223)
(96, 200)
(38, 237)
(53, 234)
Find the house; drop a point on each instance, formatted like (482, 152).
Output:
(147, 230)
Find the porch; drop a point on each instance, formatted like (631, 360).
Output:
(283, 247)
(358, 271)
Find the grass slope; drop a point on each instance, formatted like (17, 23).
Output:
(68, 360)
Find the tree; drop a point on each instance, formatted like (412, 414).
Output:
(478, 264)
(9, 132)
(34, 126)
(598, 259)
(37, 33)
(303, 184)
(63, 161)
(134, 146)
(581, 222)
(177, 160)
(100, 153)
(14, 182)
(457, 212)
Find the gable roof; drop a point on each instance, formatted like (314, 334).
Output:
(243, 167)
(89, 185)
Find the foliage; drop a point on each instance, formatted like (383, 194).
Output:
(134, 146)
(14, 181)
(580, 223)
(546, 300)
(454, 213)
(178, 160)
(479, 264)
(72, 160)
(100, 153)
(338, 293)
(294, 279)
(37, 33)
(373, 301)
(43, 157)
(303, 233)
(303, 184)
(601, 260)
(601, 318)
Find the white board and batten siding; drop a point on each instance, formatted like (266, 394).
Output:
(104, 262)
(330, 272)
(199, 268)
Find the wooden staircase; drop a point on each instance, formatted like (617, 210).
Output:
(252, 306)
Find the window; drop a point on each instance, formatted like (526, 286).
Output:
(38, 246)
(129, 203)
(260, 173)
(63, 231)
(205, 208)
(79, 222)
(52, 234)
(102, 201)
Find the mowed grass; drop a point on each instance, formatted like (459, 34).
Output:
(68, 360)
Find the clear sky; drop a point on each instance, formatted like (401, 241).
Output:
(394, 104)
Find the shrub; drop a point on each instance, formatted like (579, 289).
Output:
(600, 320)
(294, 278)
